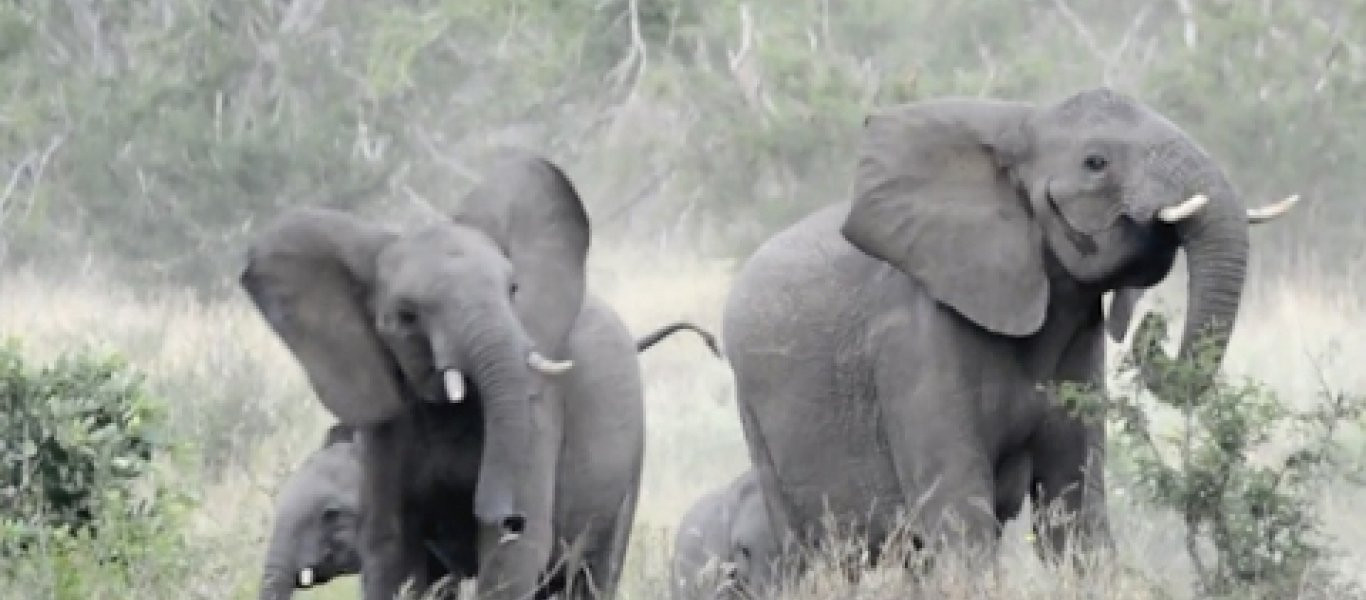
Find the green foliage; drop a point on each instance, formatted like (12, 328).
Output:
(1243, 468)
(79, 451)
(165, 131)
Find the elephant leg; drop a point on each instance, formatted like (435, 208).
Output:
(1068, 492)
(598, 571)
(929, 420)
(1069, 489)
(387, 549)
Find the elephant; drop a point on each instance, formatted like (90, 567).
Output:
(317, 511)
(894, 353)
(497, 402)
(724, 547)
(314, 536)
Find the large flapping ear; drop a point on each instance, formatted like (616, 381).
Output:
(309, 273)
(933, 198)
(531, 210)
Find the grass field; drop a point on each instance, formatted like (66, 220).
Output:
(236, 393)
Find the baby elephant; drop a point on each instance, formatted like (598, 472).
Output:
(316, 519)
(724, 547)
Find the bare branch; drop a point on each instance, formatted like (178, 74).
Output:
(1189, 31)
(1082, 30)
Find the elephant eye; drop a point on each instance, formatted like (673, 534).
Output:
(1095, 163)
(512, 289)
(406, 316)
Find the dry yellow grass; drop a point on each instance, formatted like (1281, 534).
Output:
(220, 367)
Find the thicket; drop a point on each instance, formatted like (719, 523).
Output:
(80, 447)
(163, 132)
(1245, 468)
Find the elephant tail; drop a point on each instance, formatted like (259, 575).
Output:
(655, 336)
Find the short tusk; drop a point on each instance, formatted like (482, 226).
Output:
(1180, 212)
(546, 366)
(306, 578)
(455, 385)
(508, 538)
(1257, 216)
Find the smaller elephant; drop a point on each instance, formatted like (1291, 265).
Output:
(317, 512)
(316, 520)
(725, 547)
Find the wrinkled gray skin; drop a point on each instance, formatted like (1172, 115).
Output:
(724, 547)
(317, 511)
(888, 352)
(445, 348)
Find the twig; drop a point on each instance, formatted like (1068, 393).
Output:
(19, 170)
(1189, 31)
(646, 192)
(1077, 24)
(638, 56)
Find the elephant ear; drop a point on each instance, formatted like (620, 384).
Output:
(529, 208)
(933, 197)
(309, 273)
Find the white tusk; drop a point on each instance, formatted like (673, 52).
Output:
(546, 366)
(1178, 213)
(509, 537)
(306, 578)
(1270, 212)
(455, 385)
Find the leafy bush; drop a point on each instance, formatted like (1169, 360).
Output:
(1252, 524)
(78, 452)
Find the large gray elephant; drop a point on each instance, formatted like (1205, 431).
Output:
(317, 510)
(498, 405)
(891, 353)
(724, 546)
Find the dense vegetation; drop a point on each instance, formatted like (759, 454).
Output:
(164, 131)
(142, 142)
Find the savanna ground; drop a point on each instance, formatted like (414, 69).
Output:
(230, 383)
(143, 142)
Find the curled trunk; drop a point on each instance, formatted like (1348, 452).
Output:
(1216, 243)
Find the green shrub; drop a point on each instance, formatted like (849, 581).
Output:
(1243, 468)
(79, 447)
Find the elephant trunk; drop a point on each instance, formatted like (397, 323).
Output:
(1216, 243)
(498, 368)
(281, 569)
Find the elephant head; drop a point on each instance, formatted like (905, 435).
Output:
(469, 308)
(317, 512)
(990, 204)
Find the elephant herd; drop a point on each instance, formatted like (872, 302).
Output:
(891, 356)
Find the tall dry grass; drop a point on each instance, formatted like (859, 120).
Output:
(238, 396)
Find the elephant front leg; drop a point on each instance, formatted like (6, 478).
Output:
(385, 551)
(1068, 492)
(929, 417)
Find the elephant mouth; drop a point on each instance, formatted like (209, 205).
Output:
(1083, 241)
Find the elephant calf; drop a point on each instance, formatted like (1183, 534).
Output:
(317, 513)
(724, 546)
